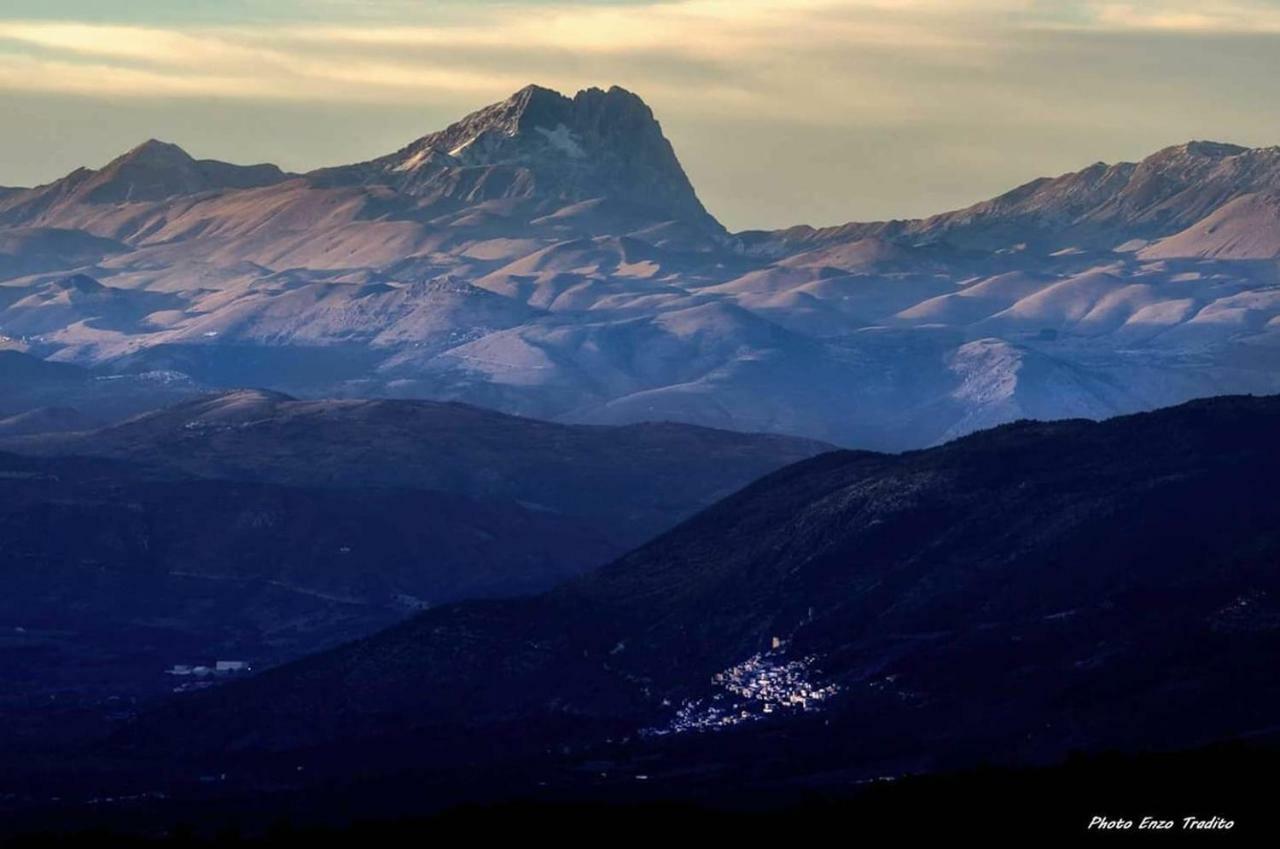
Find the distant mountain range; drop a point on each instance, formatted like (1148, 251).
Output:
(1008, 597)
(548, 256)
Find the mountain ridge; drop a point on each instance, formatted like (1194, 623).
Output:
(536, 108)
(151, 171)
(1100, 189)
(548, 256)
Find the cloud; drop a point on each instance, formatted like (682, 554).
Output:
(1218, 17)
(790, 55)
(468, 48)
(28, 74)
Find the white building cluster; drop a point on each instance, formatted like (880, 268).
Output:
(205, 675)
(763, 684)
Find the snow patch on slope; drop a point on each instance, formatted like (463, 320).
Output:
(563, 140)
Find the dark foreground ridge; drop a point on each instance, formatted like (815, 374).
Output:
(1057, 580)
(1205, 794)
(1009, 598)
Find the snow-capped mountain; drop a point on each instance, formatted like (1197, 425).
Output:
(548, 256)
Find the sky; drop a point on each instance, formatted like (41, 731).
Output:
(782, 111)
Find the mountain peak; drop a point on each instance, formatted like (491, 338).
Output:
(536, 106)
(1206, 149)
(155, 170)
(543, 146)
(534, 98)
(530, 107)
(154, 150)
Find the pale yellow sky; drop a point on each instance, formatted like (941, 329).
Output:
(783, 111)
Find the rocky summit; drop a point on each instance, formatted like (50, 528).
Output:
(541, 146)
